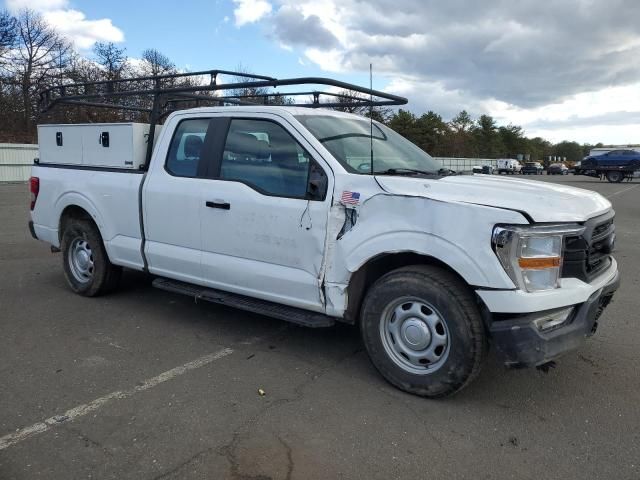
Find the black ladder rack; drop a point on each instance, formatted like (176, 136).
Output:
(162, 94)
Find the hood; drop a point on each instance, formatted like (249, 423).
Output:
(543, 202)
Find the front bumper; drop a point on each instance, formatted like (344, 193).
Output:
(520, 343)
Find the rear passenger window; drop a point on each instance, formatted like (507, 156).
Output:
(185, 157)
(266, 157)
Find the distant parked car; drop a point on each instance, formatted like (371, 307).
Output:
(557, 169)
(485, 169)
(532, 168)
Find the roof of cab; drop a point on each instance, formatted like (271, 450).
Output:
(296, 111)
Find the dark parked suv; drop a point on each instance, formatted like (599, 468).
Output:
(532, 168)
(557, 169)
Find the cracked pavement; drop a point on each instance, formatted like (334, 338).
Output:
(326, 413)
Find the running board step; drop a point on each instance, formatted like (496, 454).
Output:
(263, 307)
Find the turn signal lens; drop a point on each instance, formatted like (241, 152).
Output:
(539, 263)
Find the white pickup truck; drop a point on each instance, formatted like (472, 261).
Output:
(285, 211)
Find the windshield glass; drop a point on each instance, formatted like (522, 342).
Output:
(348, 141)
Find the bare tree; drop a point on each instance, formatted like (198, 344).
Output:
(7, 33)
(358, 105)
(250, 94)
(7, 42)
(39, 53)
(156, 63)
(112, 59)
(78, 70)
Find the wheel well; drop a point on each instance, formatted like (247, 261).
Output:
(73, 212)
(378, 266)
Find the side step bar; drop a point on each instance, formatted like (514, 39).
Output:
(263, 307)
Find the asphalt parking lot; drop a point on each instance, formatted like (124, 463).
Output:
(143, 384)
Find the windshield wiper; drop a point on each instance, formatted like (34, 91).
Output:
(406, 171)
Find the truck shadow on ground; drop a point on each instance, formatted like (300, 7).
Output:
(320, 347)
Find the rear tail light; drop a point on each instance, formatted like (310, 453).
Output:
(34, 188)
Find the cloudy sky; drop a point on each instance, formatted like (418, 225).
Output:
(563, 69)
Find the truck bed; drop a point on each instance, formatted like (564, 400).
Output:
(109, 195)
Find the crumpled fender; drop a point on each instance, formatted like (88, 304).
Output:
(455, 233)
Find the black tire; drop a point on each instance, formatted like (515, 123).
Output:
(101, 276)
(615, 176)
(452, 302)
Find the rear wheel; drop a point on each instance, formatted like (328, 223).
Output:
(423, 331)
(87, 268)
(614, 176)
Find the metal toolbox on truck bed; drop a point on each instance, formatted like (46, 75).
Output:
(109, 145)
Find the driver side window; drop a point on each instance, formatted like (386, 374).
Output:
(264, 156)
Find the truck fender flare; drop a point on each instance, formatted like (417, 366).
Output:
(77, 199)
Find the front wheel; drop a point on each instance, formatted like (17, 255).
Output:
(86, 265)
(423, 331)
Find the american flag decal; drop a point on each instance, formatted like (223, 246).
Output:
(350, 198)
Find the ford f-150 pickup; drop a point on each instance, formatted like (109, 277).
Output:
(316, 216)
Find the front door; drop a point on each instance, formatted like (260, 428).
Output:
(264, 216)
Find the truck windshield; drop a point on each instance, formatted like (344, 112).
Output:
(348, 140)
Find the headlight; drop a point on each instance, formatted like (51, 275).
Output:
(532, 255)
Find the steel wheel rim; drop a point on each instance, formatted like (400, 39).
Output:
(81, 260)
(415, 335)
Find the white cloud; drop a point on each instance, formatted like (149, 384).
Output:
(563, 70)
(250, 11)
(330, 61)
(609, 135)
(82, 32)
(610, 115)
(71, 23)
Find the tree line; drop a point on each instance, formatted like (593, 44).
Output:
(34, 56)
(464, 136)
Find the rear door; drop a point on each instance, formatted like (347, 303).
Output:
(264, 216)
(172, 197)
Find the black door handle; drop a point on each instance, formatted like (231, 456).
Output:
(222, 205)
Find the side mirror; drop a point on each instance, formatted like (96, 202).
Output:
(318, 182)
